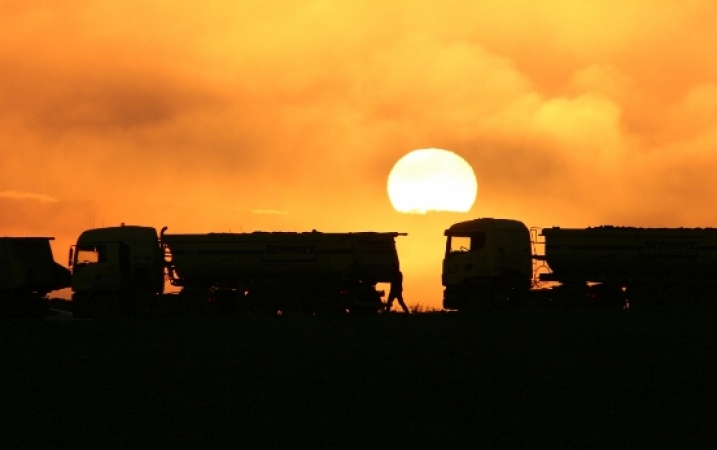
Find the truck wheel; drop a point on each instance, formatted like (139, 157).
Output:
(80, 308)
(706, 294)
(263, 304)
(10, 305)
(476, 299)
(570, 295)
(325, 305)
(104, 306)
(607, 295)
(674, 294)
(639, 296)
(287, 305)
(227, 302)
(193, 302)
(364, 310)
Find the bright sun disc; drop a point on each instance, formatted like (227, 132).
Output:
(432, 180)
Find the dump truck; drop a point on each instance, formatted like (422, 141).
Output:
(122, 270)
(28, 273)
(490, 262)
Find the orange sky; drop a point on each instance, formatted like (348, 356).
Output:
(289, 115)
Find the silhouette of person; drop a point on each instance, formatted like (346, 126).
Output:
(396, 292)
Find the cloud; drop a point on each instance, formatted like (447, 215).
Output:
(269, 211)
(15, 195)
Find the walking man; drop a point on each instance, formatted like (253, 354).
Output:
(396, 292)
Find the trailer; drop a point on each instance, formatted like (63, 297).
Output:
(28, 272)
(307, 272)
(490, 262)
(122, 270)
(648, 265)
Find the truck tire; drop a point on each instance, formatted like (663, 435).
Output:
(105, 306)
(193, 302)
(227, 302)
(570, 295)
(80, 307)
(476, 299)
(262, 302)
(640, 296)
(706, 294)
(674, 294)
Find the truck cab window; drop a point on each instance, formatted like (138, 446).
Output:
(459, 244)
(91, 254)
(468, 243)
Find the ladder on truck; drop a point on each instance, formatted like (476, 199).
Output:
(537, 247)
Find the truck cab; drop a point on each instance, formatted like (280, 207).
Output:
(116, 270)
(487, 261)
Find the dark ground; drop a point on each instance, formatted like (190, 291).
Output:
(531, 378)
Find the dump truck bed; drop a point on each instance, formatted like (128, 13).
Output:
(226, 257)
(27, 264)
(607, 251)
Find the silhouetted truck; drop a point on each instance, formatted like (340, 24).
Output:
(490, 262)
(121, 270)
(28, 272)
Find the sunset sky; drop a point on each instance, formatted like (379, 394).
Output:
(289, 115)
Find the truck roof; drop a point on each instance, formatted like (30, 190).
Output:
(122, 232)
(487, 223)
(44, 238)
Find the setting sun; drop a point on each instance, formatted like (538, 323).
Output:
(432, 180)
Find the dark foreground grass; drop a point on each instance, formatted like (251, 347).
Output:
(571, 378)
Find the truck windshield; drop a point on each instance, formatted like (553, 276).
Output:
(91, 254)
(459, 244)
(469, 243)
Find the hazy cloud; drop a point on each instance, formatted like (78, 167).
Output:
(269, 211)
(14, 195)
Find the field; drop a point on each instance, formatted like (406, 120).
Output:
(529, 378)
